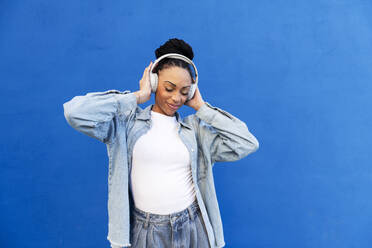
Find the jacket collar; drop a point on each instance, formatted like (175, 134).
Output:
(145, 114)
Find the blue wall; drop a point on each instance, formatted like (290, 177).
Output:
(297, 72)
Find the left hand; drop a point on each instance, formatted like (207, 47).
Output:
(197, 101)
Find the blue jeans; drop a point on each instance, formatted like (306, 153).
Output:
(183, 229)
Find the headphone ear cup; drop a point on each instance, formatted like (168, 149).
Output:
(191, 91)
(153, 81)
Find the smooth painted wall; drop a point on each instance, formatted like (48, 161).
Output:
(298, 73)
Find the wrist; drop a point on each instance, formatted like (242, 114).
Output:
(199, 105)
(142, 96)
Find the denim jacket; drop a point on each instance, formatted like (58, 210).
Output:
(210, 135)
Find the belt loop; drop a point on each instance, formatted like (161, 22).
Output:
(147, 221)
(190, 213)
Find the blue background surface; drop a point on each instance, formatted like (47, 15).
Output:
(298, 73)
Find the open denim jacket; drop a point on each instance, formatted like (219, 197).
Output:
(210, 135)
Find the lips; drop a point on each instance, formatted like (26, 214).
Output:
(173, 107)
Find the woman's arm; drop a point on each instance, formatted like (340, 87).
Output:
(226, 137)
(116, 246)
(96, 114)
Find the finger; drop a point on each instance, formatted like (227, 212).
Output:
(149, 69)
(146, 69)
(148, 66)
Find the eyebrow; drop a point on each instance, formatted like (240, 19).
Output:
(174, 84)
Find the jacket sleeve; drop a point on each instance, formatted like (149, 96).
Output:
(226, 137)
(97, 114)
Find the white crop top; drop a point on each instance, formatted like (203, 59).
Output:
(161, 170)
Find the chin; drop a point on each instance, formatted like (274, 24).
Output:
(167, 111)
(170, 112)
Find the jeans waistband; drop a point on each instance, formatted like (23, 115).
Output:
(188, 212)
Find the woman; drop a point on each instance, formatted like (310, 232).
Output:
(161, 188)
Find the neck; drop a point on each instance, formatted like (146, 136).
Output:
(155, 108)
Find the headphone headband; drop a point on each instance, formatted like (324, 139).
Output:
(176, 56)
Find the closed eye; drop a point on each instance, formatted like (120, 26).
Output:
(170, 90)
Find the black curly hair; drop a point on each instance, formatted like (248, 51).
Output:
(174, 45)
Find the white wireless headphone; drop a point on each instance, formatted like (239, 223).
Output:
(154, 76)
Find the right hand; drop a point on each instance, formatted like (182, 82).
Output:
(144, 93)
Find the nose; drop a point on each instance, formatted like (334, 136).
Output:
(176, 97)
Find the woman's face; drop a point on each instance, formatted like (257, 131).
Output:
(173, 87)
